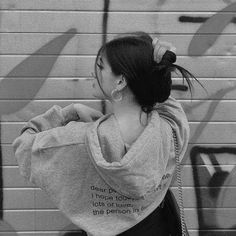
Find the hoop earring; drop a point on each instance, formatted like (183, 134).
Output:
(114, 96)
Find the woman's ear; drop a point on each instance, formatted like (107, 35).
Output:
(121, 82)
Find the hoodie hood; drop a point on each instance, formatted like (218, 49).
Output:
(137, 172)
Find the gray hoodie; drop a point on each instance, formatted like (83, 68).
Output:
(85, 169)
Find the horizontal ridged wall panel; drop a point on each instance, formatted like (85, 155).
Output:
(47, 52)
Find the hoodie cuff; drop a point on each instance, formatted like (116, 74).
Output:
(69, 113)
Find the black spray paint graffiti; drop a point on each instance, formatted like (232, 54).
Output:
(214, 177)
(105, 20)
(104, 38)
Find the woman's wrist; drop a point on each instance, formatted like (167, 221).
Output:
(69, 113)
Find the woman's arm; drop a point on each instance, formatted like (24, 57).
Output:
(49, 129)
(172, 112)
(57, 116)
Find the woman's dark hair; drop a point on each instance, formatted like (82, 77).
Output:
(132, 56)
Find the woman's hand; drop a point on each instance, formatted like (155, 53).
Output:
(160, 47)
(86, 113)
(80, 112)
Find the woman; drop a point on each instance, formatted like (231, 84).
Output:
(109, 173)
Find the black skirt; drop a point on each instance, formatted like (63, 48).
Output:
(153, 225)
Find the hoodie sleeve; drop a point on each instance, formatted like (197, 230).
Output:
(45, 129)
(54, 117)
(172, 111)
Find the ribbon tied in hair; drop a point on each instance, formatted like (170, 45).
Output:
(168, 58)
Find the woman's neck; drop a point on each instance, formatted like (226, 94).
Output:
(131, 123)
(130, 113)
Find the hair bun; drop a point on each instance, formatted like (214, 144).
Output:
(168, 58)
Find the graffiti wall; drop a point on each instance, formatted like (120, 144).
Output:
(47, 50)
